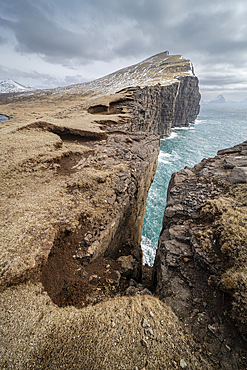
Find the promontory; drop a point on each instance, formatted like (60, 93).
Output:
(76, 167)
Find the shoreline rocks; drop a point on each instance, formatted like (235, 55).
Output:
(200, 265)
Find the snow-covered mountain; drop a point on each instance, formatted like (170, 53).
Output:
(10, 86)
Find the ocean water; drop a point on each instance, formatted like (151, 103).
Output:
(218, 126)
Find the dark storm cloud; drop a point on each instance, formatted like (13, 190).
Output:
(36, 33)
(2, 40)
(211, 33)
(222, 80)
(105, 29)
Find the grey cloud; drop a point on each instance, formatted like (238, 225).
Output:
(69, 80)
(13, 73)
(211, 33)
(222, 80)
(39, 79)
(107, 29)
(3, 40)
(54, 43)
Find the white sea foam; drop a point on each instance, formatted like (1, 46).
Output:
(164, 154)
(182, 128)
(197, 122)
(172, 136)
(148, 250)
(164, 157)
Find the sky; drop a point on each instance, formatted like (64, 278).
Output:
(50, 43)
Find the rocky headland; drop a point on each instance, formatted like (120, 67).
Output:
(76, 167)
(200, 268)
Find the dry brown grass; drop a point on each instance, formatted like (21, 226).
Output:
(38, 335)
(228, 230)
(38, 197)
(159, 69)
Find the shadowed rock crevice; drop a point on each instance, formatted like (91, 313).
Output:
(70, 279)
(67, 133)
(98, 109)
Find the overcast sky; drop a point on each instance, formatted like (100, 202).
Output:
(49, 43)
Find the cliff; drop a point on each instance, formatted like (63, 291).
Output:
(200, 265)
(80, 176)
(76, 166)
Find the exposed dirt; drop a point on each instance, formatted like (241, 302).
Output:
(69, 283)
(72, 281)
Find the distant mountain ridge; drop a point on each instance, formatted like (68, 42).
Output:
(10, 86)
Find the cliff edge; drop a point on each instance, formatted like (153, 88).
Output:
(77, 179)
(200, 267)
(76, 166)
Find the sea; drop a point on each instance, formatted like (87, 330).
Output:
(218, 126)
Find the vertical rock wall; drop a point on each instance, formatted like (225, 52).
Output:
(187, 102)
(155, 107)
(158, 108)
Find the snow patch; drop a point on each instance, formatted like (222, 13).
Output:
(10, 86)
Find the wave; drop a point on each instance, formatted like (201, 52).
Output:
(182, 128)
(198, 122)
(148, 250)
(164, 157)
(172, 136)
(164, 154)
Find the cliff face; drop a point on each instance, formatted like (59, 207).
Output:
(156, 109)
(81, 185)
(108, 142)
(80, 176)
(200, 265)
(169, 106)
(77, 164)
(187, 102)
(164, 88)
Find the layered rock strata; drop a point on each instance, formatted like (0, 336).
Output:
(72, 189)
(77, 179)
(76, 166)
(200, 266)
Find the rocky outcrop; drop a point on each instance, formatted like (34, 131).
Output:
(81, 194)
(164, 91)
(200, 265)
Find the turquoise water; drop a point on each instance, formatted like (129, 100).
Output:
(218, 126)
